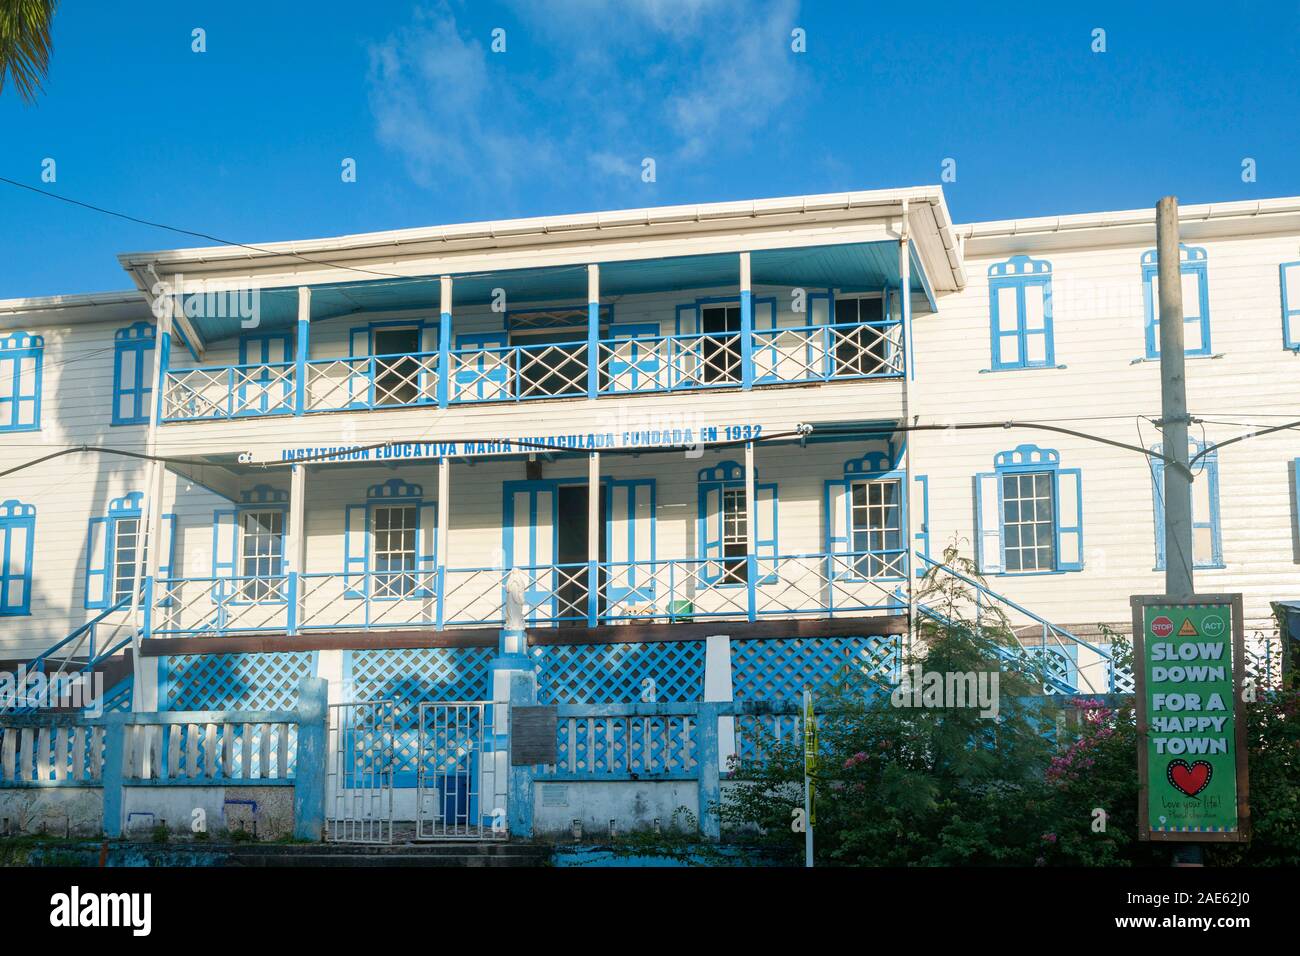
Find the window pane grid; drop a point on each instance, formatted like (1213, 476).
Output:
(876, 521)
(126, 538)
(1028, 522)
(735, 536)
(394, 529)
(262, 553)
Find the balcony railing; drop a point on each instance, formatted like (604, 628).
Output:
(681, 589)
(514, 373)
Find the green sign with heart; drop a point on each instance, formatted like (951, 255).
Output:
(1191, 718)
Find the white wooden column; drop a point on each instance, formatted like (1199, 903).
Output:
(751, 525)
(301, 346)
(440, 541)
(593, 538)
(445, 392)
(296, 552)
(905, 315)
(593, 330)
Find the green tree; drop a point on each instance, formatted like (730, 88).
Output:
(26, 45)
(904, 785)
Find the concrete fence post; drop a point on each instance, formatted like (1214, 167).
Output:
(519, 797)
(313, 743)
(710, 781)
(112, 773)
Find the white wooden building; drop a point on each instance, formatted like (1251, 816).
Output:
(342, 446)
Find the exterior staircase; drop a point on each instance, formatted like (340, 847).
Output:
(1055, 652)
(83, 654)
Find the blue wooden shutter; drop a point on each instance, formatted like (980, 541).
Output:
(225, 536)
(711, 531)
(355, 541)
(426, 558)
(765, 533)
(988, 523)
(166, 561)
(921, 536)
(838, 532)
(630, 539)
(359, 393)
(1158, 507)
(97, 563)
(1291, 304)
(1069, 520)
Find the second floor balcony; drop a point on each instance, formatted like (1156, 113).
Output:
(804, 316)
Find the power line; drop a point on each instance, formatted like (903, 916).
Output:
(529, 445)
(194, 233)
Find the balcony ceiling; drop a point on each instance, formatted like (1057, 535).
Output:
(850, 267)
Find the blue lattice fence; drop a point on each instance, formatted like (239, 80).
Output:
(614, 673)
(779, 669)
(410, 677)
(233, 681)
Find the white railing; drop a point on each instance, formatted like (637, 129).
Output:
(371, 381)
(50, 750)
(231, 391)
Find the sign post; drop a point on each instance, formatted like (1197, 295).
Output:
(809, 768)
(1189, 657)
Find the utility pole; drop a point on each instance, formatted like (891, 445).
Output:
(1173, 405)
(1173, 425)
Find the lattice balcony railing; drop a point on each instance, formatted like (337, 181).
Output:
(671, 363)
(828, 352)
(664, 363)
(684, 589)
(232, 391)
(371, 381)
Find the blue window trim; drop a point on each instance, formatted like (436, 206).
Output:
(1066, 483)
(136, 339)
(473, 378)
(638, 366)
(921, 536)
(1290, 310)
(1295, 480)
(730, 475)
(265, 343)
(357, 568)
(1193, 261)
(15, 516)
(1021, 273)
(873, 466)
(694, 307)
(638, 569)
(16, 348)
(582, 308)
(230, 522)
(99, 582)
(1207, 467)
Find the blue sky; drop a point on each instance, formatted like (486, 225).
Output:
(246, 140)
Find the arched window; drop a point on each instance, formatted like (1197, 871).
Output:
(1020, 313)
(1029, 513)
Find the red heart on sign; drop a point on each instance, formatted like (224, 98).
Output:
(1190, 780)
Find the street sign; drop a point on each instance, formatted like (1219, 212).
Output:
(1189, 658)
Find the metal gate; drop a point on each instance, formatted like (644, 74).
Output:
(359, 777)
(462, 777)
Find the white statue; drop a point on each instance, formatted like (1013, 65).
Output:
(516, 584)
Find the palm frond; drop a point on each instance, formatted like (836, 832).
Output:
(26, 45)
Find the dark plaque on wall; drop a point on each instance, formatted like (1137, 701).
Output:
(532, 735)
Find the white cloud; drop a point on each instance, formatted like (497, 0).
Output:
(674, 79)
